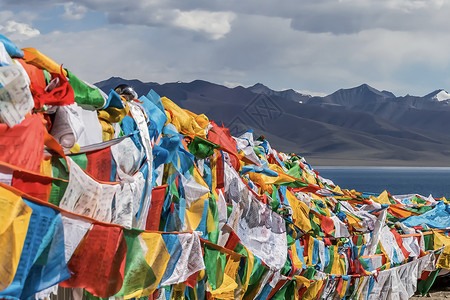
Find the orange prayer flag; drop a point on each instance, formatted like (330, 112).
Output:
(40, 60)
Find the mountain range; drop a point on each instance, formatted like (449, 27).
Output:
(355, 126)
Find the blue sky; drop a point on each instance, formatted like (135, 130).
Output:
(313, 46)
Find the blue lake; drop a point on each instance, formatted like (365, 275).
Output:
(396, 180)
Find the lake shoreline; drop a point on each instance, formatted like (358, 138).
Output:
(398, 180)
(399, 168)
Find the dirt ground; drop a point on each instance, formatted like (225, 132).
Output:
(439, 291)
(434, 296)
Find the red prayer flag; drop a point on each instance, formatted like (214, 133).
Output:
(192, 280)
(32, 184)
(399, 240)
(61, 94)
(307, 189)
(221, 136)
(35, 74)
(424, 275)
(23, 144)
(233, 240)
(327, 224)
(219, 171)
(154, 214)
(339, 285)
(99, 164)
(98, 263)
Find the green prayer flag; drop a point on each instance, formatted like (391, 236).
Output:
(138, 274)
(213, 236)
(286, 292)
(423, 286)
(85, 95)
(419, 209)
(215, 262)
(310, 272)
(202, 148)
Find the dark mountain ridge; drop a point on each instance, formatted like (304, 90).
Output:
(358, 126)
(289, 94)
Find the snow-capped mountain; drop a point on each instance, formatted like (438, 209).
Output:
(438, 95)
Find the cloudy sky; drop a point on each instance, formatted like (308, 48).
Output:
(314, 46)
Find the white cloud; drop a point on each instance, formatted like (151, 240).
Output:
(215, 24)
(233, 84)
(214, 18)
(397, 45)
(212, 24)
(306, 92)
(191, 16)
(73, 11)
(18, 31)
(411, 5)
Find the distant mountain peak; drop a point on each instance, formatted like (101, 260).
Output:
(367, 87)
(364, 89)
(260, 88)
(288, 94)
(438, 95)
(364, 85)
(259, 84)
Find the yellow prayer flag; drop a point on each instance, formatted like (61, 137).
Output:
(46, 167)
(229, 285)
(295, 259)
(313, 290)
(249, 265)
(226, 289)
(300, 282)
(338, 267)
(345, 284)
(338, 190)
(194, 213)
(184, 120)
(202, 120)
(383, 198)
(156, 257)
(15, 216)
(440, 240)
(309, 178)
(300, 212)
(353, 221)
